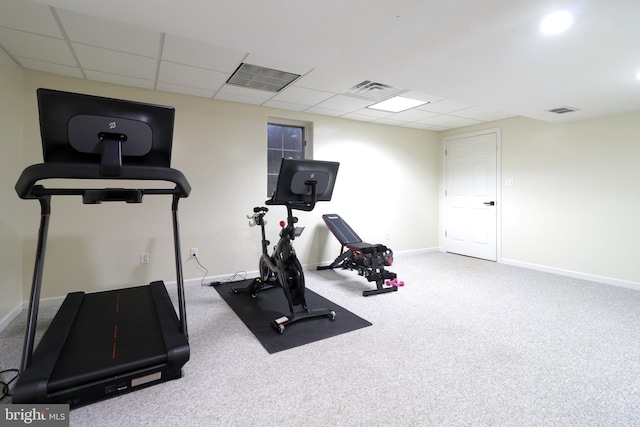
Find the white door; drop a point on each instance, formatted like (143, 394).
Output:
(470, 195)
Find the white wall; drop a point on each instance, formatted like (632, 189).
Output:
(575, 203)
(386, 189)
(10, 206)
(573, 207)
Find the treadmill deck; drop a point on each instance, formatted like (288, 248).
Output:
(106, 342)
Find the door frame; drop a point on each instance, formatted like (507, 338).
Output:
(443, 200)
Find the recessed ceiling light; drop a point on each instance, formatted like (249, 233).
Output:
(556, 22)
(397, 104)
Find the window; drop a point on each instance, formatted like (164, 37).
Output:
(285, 139)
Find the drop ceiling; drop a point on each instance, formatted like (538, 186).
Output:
(471, 61)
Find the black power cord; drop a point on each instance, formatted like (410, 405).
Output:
(206, 270)
(237, 276)
(6, 384)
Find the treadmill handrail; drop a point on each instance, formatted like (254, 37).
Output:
(34, 173)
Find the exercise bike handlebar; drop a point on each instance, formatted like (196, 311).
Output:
(256, 217)
(289, 229)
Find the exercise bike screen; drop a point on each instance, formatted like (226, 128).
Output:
(296, 175)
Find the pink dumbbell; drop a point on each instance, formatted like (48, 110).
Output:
(394, 282)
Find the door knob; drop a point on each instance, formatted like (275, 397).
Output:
(491, 203)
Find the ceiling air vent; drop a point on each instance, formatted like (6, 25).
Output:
(563, 110)
(261, 78)
(373, 91)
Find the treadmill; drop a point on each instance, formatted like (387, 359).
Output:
(102, 344)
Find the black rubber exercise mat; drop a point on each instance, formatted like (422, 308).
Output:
(258, 313)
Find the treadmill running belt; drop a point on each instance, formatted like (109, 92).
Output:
(114, 332)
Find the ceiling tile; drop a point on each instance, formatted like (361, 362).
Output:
(441, 119)
(128, 54)
(184, 75)
(285, 105)
(112, 62)
(494, 116)
(464, 122)
(412, 115)
(233, 97)
(344, 103)
(358, 117)
(199, 54)
(373, 113)
(473, 112)
(119, 80)
(303, 96)
(421, 96)
(107, 34)
(27, 45)
(387, 121)
(445, 106)
(29, 16)
(438, 128)
(203, 93)
(505, 65)
(415, 125)
(276, 64)
(246, 91)
(49, 67)
(324, 111)
(328, 82)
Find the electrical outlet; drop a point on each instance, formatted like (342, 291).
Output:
(144, 258)
(194, 252)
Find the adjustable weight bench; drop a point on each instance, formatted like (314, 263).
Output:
(368, 259)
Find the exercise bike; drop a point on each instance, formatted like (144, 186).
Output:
(300, 184)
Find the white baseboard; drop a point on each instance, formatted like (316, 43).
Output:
(417, 251)
(574, 274)
(24, 305)
(12, 314)
(46, 302)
